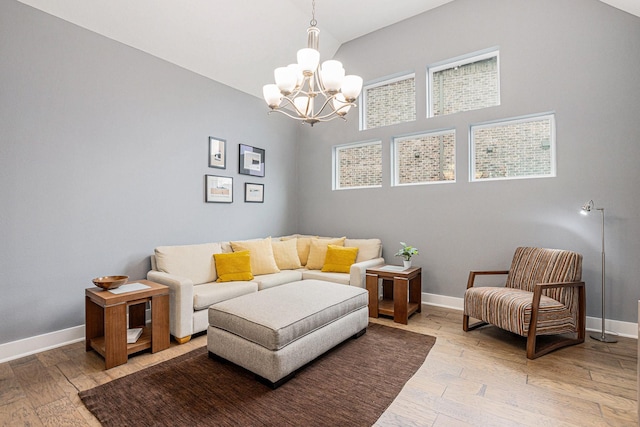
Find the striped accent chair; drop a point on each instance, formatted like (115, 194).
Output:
(544, 295)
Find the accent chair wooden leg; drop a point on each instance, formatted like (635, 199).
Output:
(465, 324)
(183, 340)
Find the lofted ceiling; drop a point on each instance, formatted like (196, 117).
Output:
(239, 42)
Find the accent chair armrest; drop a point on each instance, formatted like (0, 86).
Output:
(581, 321)
(358, 271)
(473, 274)
(180, 302)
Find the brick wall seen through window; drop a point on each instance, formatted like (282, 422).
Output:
(464, 85)
(514, 149)
(424, 158)
(389, 103)
(358, 165)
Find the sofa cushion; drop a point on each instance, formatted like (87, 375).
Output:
(367, 248)
(194, 262)
(318, 251)
(341, 278)
(211, 293)
(233, 266)
(339, 259)
(285, 253)
(266, 281)
(275, 317)
(303, 245)
(262, 260)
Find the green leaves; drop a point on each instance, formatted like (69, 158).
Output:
(407, 251)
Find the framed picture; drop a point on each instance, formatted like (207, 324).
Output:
(253, 193)
(251, 160)
(219, 189)
(217, 153)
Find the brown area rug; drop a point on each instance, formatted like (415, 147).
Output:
(351, 385)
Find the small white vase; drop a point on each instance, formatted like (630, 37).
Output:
(407, 264)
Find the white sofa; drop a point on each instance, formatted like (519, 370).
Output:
(190, 273)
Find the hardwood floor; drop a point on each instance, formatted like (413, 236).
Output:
(478, 378)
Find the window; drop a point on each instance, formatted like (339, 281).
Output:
(515, 148)
(463, 84)
(388, 102)
(357, 165)
(424, 158)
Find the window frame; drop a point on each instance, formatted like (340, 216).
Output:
(335, 167)
(514, 120)
(395, 169)
(457, 62)
(382, 82)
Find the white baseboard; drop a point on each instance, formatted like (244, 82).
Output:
(623, 329)
(32, 345)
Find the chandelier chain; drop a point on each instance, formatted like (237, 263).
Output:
(313, 21)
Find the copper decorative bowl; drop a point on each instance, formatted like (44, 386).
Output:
(110, 282)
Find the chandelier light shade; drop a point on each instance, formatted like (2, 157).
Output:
(309, 91)
(601, 336)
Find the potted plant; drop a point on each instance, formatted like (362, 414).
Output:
(407, 252)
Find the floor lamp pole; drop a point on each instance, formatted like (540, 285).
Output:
(603, 336)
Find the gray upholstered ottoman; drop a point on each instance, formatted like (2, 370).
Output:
(275, 331)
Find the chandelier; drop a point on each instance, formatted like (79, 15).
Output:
(309, 93)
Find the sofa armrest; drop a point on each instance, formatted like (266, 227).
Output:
(180, 302)
(358, 271)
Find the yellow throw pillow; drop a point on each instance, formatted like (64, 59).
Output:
(233, 266)
(339, 259)
(303, 244)
(262, 260)
(318, 251)
(286, 254)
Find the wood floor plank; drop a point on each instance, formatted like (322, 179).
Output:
(19, 413)
(60, 413)
(599, 393)
(628, 381)
(548, 403)
(10, 391)
(511, 414)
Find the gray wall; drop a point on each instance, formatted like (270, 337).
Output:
(578, 58)
(103, 152)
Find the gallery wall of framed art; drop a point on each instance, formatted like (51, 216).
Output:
(251, 162)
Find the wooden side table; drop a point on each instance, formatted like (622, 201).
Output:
(402, 292)
(106, 321)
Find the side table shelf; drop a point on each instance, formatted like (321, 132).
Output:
(143, 343)
(106, 321)
(401, 296)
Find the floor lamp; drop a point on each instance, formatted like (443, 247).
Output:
(602, 336)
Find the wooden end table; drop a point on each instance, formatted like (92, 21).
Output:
(401, 295)
(106, 321)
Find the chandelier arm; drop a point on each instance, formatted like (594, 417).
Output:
(308, 119)
(324, 105)
(286, 113)
(291, 105)
(325, 118)
(328, 116)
